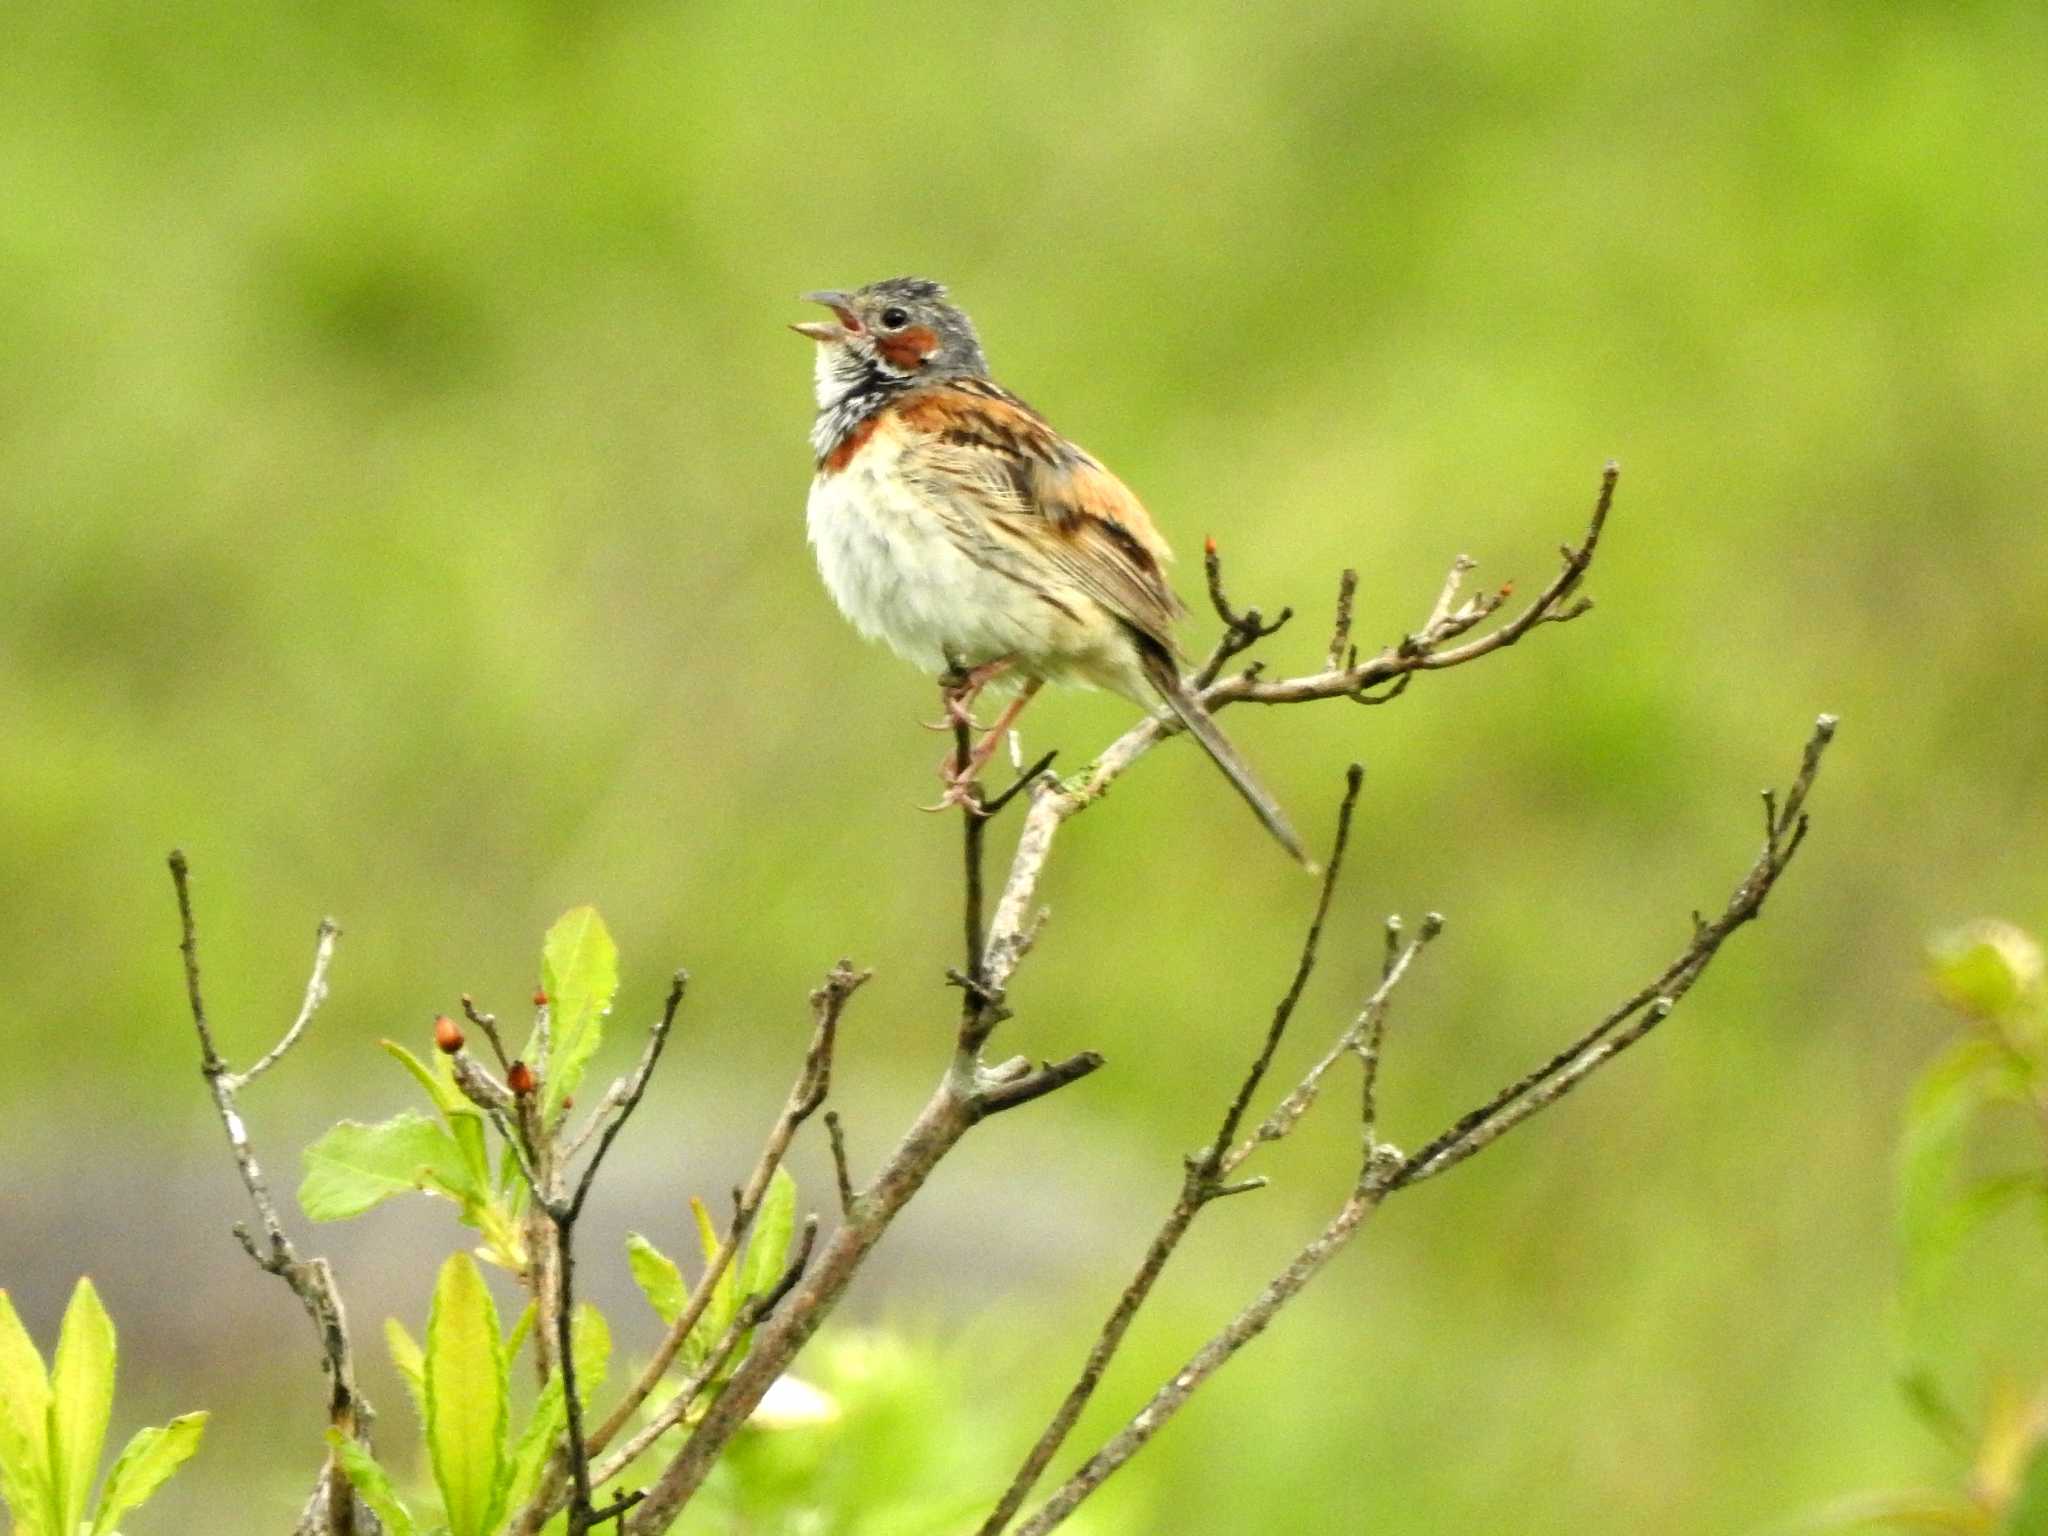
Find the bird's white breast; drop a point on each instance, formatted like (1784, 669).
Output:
(902, 576)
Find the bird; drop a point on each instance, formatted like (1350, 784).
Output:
(951, 521)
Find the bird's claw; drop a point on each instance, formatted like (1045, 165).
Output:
(963, 791)
(958, 712)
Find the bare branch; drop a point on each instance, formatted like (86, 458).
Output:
(745, 1320)
(1362, 1037)
(970, 1091)
(1340, 651)
(1441, 615)
(1200, 1185)
(837, 1134)
(1219, 1145)
(1241, 631)
(1642, 1012)
(316, 994)
(828, 1003)
(1053, 804)
(1251, 623)
(1370, 1031)
(557, 1300)
(1051, 1076)
(311, 1280)
(1241, 1330)
(1384, 1169)
(945, 1118)
(636, 1088)
(488, 1023)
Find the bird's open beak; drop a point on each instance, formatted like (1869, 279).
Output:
(841, 304)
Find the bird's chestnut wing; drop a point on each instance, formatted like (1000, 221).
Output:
(998, 462)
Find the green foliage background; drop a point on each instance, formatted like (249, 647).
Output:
(401, 476)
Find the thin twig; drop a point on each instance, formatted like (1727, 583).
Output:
(1385, 1170)
(1053, 805)
(806, 1094)
(1024, 781)
(1241, 631)
(1369, 1034)
(584, 1514)
(311, 1280)
(1036, 1085)
(1241, 1330)
(316, 994)
(599, 1116)
(1362, 1037)
(974, 832)
(488, 1023)
(636, 1089)
(962, 1097)
(1339, 652)
(1641, 1012)
(745, 1320)
(836, 1133)
(1219, 1145)
(1200, 1185)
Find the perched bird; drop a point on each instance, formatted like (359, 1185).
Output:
(951, 521)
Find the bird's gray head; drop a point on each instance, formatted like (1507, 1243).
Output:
(888, 335)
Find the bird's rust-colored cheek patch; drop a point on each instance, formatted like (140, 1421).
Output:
(907, 350)
(842, 452)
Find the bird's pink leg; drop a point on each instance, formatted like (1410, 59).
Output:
(957, 697)
(959, 776)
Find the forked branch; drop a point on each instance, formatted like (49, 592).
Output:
(971, 1089)
(333, 1509)
(1383, 1169)
(770, 1329)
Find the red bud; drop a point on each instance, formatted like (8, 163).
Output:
(519, 1078)
(1209, 546)
(568, 1101)
(540, 998)
(447, 1035)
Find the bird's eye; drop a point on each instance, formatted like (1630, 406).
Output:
(895, 318)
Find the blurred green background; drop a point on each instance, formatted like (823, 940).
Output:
(402, 467)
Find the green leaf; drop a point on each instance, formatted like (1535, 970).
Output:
(24, 1424)
(591, 1337)
(412, 1365)
(2028, 1513)
(356, 1166)
(659, 1278)
(465, 1385)
(151, 1457)
(81, 1402)
(439, 1084)
(1985, 969)
(1929, 1512)
(768, 1247)
(373, 1484)
(465, 1120)
(529, 1457)
(767, 1253)
(725, 1296)
(1937, 1212)
(521, 1327)
(24, 1480)
(580, 974)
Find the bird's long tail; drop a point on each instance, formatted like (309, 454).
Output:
(1202, 726)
